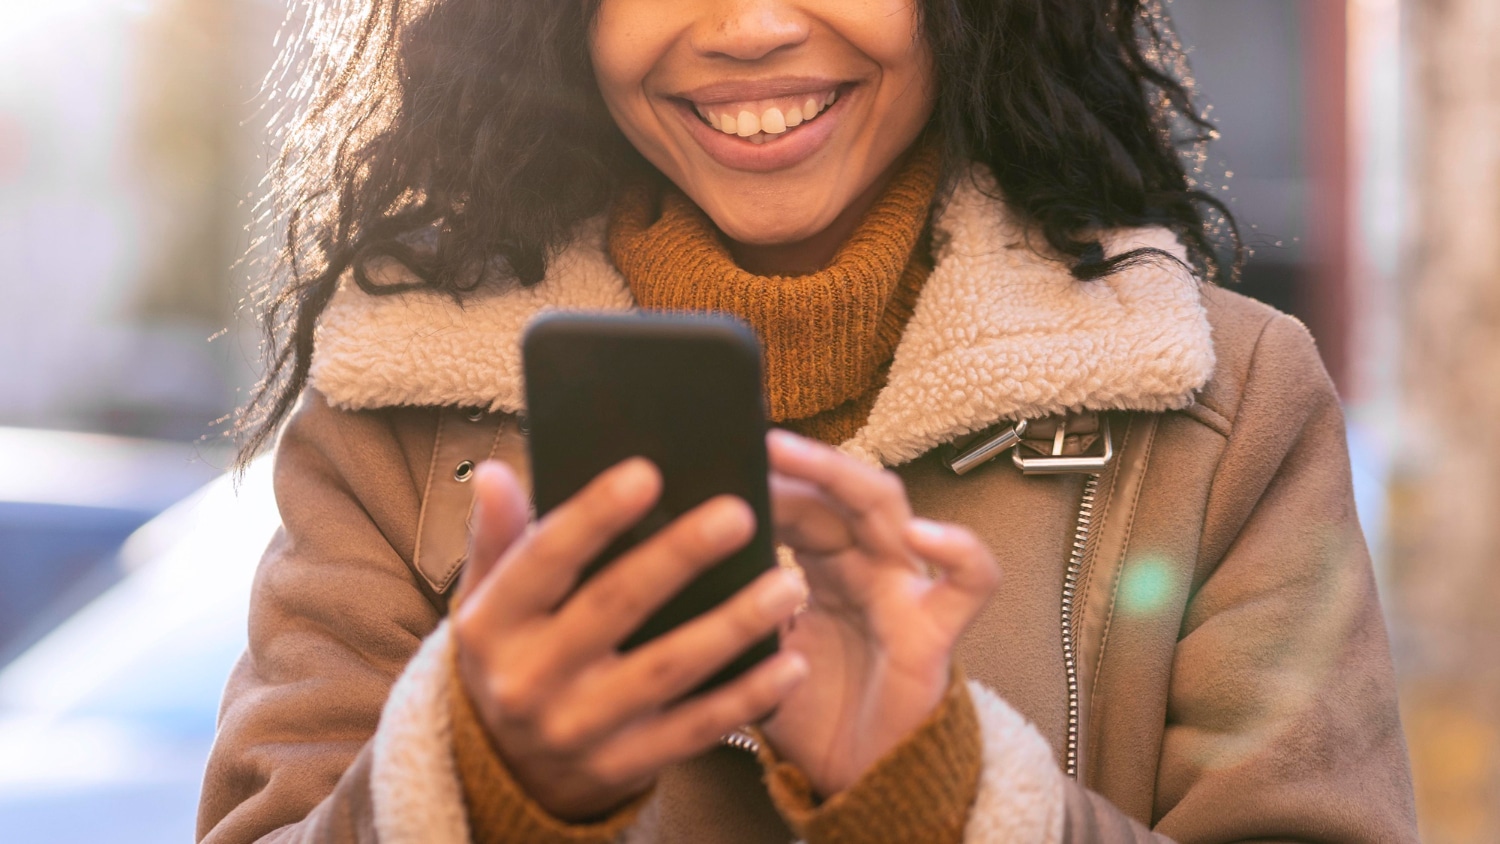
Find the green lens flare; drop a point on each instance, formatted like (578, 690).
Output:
(1145, 587)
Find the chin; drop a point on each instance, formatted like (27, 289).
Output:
(768, 226)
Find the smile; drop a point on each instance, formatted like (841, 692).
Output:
(761, 120)
(760, 126)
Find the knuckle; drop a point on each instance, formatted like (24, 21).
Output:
(602, 513)
(548, 540)
(749, 620)
(660, 671)
(603, 769)
(612, 599)
(468, 627)
(560, 731)
(761, 696)
(714, 721)
(514, 695)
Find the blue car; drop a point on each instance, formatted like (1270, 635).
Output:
(105, 722)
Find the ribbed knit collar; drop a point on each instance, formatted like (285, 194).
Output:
(828, 336)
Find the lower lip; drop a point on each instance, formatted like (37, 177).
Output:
(789, 149)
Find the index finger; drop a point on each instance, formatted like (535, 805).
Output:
(542, 567)
(806, 519)
(874, 496)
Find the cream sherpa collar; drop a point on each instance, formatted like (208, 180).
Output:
(998, 333)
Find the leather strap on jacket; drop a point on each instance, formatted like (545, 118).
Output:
(464, 438)
(1104, 560)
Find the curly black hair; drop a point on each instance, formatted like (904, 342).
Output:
(479, 124)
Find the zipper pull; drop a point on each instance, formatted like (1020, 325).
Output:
(987, 449)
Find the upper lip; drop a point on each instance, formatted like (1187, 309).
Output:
(740, 90)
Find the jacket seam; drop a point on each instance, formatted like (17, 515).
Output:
(1208, 418)
(1114, 596)
(1250, 367)
(1229, 439)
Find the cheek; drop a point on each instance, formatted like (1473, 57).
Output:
(903, 55)
(623, 48)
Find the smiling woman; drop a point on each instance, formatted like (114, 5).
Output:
(957, 229)
(782, 122)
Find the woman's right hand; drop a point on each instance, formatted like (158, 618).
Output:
(581, 727)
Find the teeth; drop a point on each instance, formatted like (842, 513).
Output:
(757, 122)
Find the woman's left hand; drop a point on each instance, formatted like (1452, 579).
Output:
(879, 630)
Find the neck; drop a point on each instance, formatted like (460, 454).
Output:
(805, 257)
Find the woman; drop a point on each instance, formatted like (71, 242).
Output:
(960, 230)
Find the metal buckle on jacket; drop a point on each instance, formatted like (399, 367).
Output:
(1058, 464)
(987, 449)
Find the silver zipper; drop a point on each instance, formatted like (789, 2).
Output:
(1070, 589)
(740, 740)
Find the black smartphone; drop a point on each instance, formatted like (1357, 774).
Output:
(683, 391)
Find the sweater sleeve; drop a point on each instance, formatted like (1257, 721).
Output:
(499, 811)
(920, 791)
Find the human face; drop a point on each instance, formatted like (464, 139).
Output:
(838, 90)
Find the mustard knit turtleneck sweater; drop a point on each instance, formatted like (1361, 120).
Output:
(828, 337)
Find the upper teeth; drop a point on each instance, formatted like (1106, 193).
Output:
(757, 119)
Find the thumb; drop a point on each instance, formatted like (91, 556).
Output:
(498, 518)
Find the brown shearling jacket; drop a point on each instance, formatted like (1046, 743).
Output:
(1203, 655)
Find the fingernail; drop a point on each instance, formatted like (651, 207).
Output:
(726, 522)
(783, 595)
(633, 476)
(927, 530)
(790, 441)
(791, 670)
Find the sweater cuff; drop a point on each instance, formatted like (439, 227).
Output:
(921, 790)
(499, 809)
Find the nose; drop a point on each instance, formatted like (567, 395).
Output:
(748, 30)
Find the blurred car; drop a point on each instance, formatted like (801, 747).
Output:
(105, 722)
(67, 501)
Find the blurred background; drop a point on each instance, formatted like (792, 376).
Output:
(1360, 150)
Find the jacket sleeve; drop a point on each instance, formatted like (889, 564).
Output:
(1282, 722)
(336, 614)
